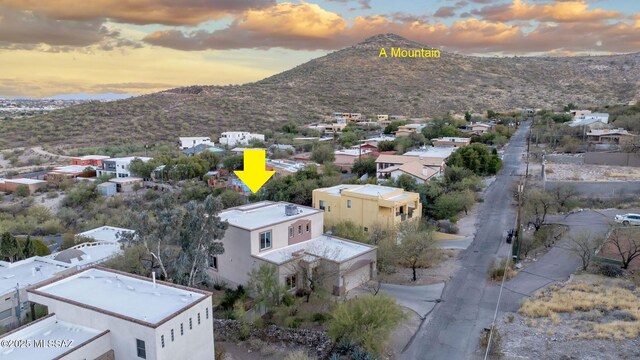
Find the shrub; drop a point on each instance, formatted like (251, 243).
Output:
(298, 355)
(447, 226)
(22, 191)
(231, 296)
(609, 270)
(497, 271)
(320, 318)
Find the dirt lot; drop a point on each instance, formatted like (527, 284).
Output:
(439, 273)
(589, 317)
(559, 172)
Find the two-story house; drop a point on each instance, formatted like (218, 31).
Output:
(234, 138)
(367, 205)
(118, 167)
(290, 237)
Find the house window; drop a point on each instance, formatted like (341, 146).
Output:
(5, 314)
(321, 205)
(172, 337)
(213, 262)
(329, 208)
(299, 229)
(291, 232)
(198, 318)
(142, 349)
(366, 229)
(265, 240)
(162, 340)
(206, 312)
(292, 282)
(308, 227)
(190, 324)
(349, 204)
(181, 329)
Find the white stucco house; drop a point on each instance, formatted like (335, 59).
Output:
(234, 138)
(188, 142)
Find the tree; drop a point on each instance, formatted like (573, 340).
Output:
(322, 153)
(348, 139)
(626, 242)
(386, 145)
(367, 321)
(537, 204)
(22, 191)
(349, 230)
(406, 182)
(563, 196)
(364, 165)
(393, 126)
(584, 246)
(415, 244)
(200, 237)
(10, 248)
(231, 198)
(29, 249)
(131, 261)
(265, 287)
(476, 158)
(467, 116)
(142, 169)
(450, 204)
(233, 162)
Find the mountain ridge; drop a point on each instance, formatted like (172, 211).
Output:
(353, 79)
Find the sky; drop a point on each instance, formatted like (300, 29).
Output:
(140, 46)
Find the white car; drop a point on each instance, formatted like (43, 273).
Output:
(628, 219)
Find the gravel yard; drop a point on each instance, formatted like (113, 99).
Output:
(560, 172)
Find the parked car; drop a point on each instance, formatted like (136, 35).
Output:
(628, 219)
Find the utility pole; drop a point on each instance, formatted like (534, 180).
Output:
(18, 312)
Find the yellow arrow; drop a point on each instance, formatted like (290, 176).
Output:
(254, 174)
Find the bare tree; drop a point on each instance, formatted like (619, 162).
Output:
(537, 205)
(563, 194)
(627, 244)
(584, 246)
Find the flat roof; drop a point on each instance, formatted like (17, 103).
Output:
(92, 157)
(121, 294)
(432, 151)
(452, 139)
(47, 329)
(368, 189)
(72, 168)
(325, 246)
(124, 180)
(28, 272)
(87, 253)
(262, 214)
(105, 233)
(130, 158)
(352, 152)
(25, 181)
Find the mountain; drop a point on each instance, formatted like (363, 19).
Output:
(88, 97)
(354, 79)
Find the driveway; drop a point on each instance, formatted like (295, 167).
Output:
(420, 299)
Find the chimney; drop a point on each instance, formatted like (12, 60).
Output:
(153, 276)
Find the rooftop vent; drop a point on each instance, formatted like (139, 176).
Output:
(290, 210)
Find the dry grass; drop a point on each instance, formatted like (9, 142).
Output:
(600, 311)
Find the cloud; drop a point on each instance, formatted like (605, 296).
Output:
(563, 11)
(364, 4)
(293, 26)
(446, 12)
(167, 12)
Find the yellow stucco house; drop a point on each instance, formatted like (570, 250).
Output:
(366, 205)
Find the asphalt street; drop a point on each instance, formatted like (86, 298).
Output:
(453, 328)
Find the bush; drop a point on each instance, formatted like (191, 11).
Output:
(497, 271)
(231, 296)
(22, 191)
(609, 270)
(447, 226)
(320, 318)
(298, 355)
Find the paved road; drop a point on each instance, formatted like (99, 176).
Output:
(420, 299)
(453, 328)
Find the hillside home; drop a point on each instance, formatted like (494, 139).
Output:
(408, 129)
(114, 315)
(367, 205)
(478, 128)
(592, 120)
(376, 140)
(127, 184)
(16, 277)
(235, 138)
(118, 167)
(11, 185)
(71, 172)
(382, 118)
(609, 136)
(345, 158)
(422, 168)
(89, 160)
(291, 238)
(189, 142)
(285, 167)
(456, 142)
(200, 148)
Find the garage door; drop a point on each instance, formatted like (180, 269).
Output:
(357, 277)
